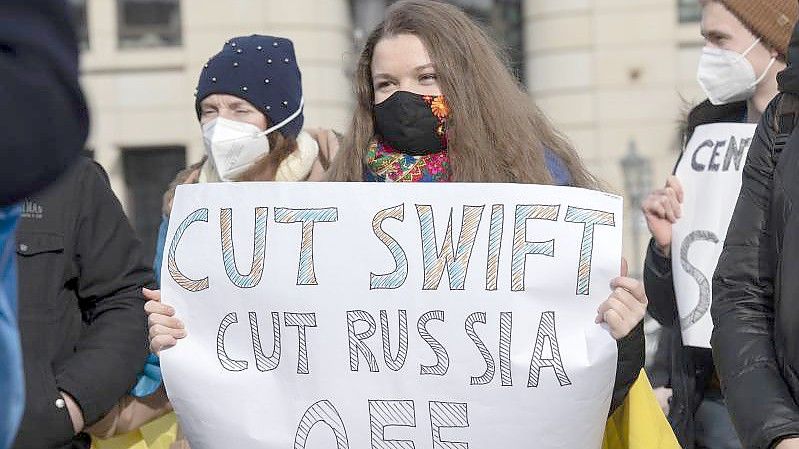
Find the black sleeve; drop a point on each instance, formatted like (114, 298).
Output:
(659, 371)
(42, 108)
(113, 346)
(632, 351)
(760, 404)
(659, 285)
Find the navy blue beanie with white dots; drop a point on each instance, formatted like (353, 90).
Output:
(262, 70)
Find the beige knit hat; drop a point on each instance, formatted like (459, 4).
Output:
(770, 20)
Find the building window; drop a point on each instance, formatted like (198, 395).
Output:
(77, 10)
(148, 172)
(689, 11)
(503, 19)
(148, 23)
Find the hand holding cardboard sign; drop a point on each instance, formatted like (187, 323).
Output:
(165, 329)
(626, 305)
(662, 208)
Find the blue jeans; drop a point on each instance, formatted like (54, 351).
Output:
(714, 428)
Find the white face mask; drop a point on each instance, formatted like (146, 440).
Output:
(234, 146)
(727, 76)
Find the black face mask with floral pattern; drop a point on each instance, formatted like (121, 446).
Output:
(412, 124)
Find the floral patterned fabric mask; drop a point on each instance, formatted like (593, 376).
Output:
(411, 143)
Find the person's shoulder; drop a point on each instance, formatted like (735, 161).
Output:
(783, 103)
(93, 168)
(188, 175)
(558, 169)
(706, 112)
(328, 141)
(82, 170)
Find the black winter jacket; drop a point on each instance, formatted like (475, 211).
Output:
(756, 287)
(689, 369)
(632, 352)
(81, 316)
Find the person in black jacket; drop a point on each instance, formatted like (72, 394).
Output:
(756, 284)
(83, 330)
(697, 410)
(45, 123)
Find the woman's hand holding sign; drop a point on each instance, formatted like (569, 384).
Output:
(626, 305)
(165, 329)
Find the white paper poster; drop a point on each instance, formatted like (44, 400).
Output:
(710, 172)
(369, 315)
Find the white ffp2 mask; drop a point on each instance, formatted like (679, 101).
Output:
(233, 146)
(726, 76)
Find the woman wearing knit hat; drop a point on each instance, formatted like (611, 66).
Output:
(746, 46)
(249, 104)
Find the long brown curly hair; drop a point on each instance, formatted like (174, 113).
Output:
(496, 132)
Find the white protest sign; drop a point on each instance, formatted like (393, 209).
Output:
(370, 315)
(710, 173)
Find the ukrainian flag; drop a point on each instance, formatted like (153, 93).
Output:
(639, 423)
(157, 434)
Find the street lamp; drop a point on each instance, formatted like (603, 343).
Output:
(637, 183)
